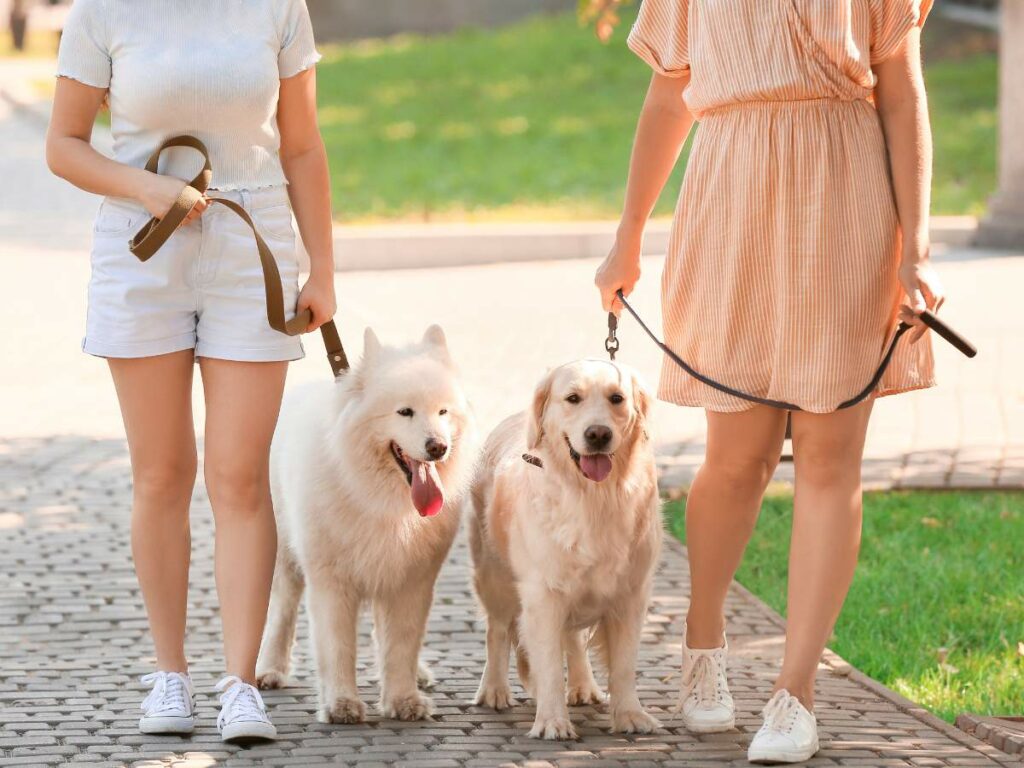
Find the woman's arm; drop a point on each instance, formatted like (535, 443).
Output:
(903, 109)
(70, 155)
(661, 132)
(304, 161)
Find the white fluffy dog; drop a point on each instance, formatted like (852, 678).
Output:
(367, 476)
(565, 531)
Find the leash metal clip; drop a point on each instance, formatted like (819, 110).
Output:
(611, 344)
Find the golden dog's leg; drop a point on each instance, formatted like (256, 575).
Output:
(622, 634)
(544, 615)
(583, 688)
(274, 662)
(401, 620)
(334, 615)
(494, 689)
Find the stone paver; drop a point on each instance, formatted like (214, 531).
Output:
(73, 641)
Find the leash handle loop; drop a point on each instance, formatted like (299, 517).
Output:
(155, 232)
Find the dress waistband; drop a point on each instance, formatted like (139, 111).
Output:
(780, 105)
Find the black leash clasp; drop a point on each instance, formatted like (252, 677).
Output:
(611, 344)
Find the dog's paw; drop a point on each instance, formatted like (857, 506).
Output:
(588, 693)
(633, 721)
(424, 677)
(553, 728)
(271, 679)
(343, 710)
(497, 697)
(416, 706)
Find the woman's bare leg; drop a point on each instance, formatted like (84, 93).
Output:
(155, 394)
(827, 449)
(242, 404)
(721, 509)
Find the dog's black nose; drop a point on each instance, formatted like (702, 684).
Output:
(598, 436)
(435, 448)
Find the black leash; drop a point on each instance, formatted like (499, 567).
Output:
(928, 317)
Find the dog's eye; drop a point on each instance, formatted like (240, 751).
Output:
(574, 399)
(405, 412)
(616, 398)
(442, 412)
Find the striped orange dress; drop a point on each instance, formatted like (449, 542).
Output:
(781, 274)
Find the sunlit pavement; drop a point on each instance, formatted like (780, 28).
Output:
(71, 621)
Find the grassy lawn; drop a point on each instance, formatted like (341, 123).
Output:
(936, 610)
(535, 121)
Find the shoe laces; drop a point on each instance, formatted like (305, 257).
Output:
(702, 681)
(239, 701)
(780, 712)
(169, 693)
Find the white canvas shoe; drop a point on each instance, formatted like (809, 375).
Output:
(243, 715)
(170, 706)
(789, 733)
(704, 699)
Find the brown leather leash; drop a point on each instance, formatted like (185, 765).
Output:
(928, 317)
(156, 232)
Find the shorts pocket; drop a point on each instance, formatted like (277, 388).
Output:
(275, 221)
(116, 218)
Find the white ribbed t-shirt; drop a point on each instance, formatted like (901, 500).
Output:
(209, 68)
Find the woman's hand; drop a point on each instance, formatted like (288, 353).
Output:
(619, 270)
(317, 295)
(159, 193)
(924, 291)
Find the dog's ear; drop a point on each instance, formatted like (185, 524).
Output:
(535, 420)
(641, 402)
(371, 346)
(435, 339)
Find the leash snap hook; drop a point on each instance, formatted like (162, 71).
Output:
(611, 344)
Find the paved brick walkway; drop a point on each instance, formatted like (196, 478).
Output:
(73, 641)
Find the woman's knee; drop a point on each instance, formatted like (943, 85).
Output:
(165, 481)
(740, 473)
(826, 464)
(236, 487)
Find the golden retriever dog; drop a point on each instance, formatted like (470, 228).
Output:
(565, 529)
(368, 475)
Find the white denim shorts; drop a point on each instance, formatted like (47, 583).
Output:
(202, 290)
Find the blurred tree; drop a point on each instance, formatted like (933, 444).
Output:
(19, 21)
(603, 14)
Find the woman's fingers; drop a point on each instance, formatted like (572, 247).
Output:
(197, 210)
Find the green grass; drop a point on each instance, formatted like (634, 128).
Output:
(936, 610)
(536, 120)
(962, 100)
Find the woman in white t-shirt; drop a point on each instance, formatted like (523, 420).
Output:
(238, 75)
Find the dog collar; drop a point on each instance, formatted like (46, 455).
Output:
(535, 460)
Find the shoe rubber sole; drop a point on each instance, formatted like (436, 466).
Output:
(722, 727)
(248, 732)
(781, 756)
(157, 726)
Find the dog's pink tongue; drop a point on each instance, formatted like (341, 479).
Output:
(596, 466)
(427, 493)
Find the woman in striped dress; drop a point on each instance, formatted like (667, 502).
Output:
(799, 241)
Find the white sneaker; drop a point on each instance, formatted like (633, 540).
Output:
(243, 715)
(170, 706)
(789, 733)
(704, 698)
